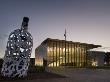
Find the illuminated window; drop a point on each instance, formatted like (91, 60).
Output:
(94, 63)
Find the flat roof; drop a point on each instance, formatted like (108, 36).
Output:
(90, 45)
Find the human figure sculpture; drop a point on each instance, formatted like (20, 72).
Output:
(18, 52)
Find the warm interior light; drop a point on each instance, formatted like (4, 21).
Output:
(94, 63)
(39, 62)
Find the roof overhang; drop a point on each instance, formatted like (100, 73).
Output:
(101, 49)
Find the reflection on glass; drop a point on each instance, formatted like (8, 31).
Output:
(75, 54)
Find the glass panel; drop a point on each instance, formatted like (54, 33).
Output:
(75, 54)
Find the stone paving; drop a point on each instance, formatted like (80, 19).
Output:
(76, 75)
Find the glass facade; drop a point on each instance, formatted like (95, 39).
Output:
(67, 53)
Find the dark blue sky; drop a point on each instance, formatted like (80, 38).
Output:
(86, 21)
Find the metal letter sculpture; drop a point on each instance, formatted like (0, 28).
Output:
(18, 52)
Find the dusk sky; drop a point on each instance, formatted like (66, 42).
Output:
(86, 21)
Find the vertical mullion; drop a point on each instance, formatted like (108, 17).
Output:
(56, 53)
(68, 52)
(71, 53)
(85, 54)
(53, 55)
(65, 53)
(78, 51)
(62, 53)
(75, 54)
(59, 51)
(79, 54)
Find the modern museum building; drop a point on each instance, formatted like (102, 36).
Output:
(56, 53)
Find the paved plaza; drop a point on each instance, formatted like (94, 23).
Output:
(76, 75)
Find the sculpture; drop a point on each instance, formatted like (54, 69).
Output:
(18, 52)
